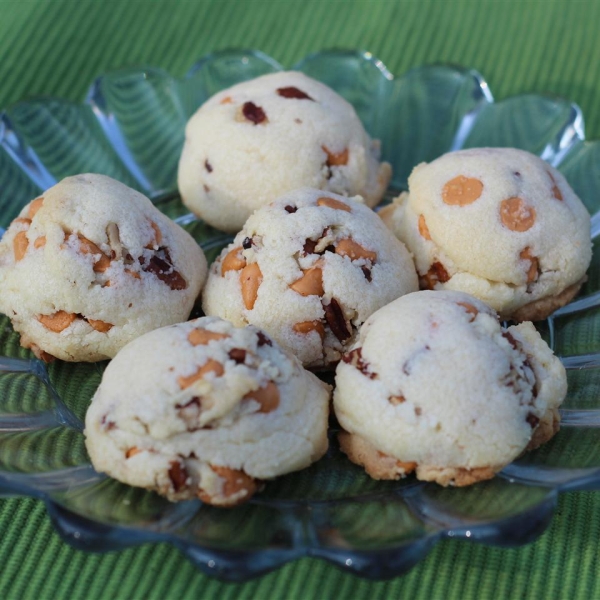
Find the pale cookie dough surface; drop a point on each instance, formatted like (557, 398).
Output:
(91, 265)
(309, 269)
(435, 385)
(497, 223)
(251, 143)
(205, 409)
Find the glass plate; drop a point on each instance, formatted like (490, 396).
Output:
(131, 127)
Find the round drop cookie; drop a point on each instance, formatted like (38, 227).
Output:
(309, 269)
(498, 223)
(434, 385)
(204, 409)
(91, 265)
(253, 142)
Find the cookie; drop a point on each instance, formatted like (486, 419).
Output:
(204, 409)
(91, 265)
(257, 140)
(309, 269)
(497, 223)
(436, 386)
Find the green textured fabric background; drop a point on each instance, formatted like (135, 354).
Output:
(58, 47)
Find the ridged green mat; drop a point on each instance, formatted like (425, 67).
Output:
(57, 48)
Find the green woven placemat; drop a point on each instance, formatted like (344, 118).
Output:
(57, 48)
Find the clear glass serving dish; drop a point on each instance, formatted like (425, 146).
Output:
(131, 127)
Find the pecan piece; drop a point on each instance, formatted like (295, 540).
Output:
(238, 355)
(178, 475)
(263, 340)
(437, 273)
(164, 270)
(291, 209)
(253, 113)
(293, 92)
(336, 320)
(208, 166)
(354, 358)
(309, 247)
(395, 400)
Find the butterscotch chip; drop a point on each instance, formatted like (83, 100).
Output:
(34, 206)
(237, 487)
(102, 262)
(473, 312)
(516, 215)
(423, 229)
(524, 239)
(251, 278)
(336, 159)
(249, 413)
(211, 366)
(455, 402)
(333, 203)
(234, 261)
(77, 250)
(198, 337)
(267, 396)
(310, 284)
(57, 321)
(462, 190)
(100, 326)
(308, 326)
(348, 247)
(532, 271)
(254, 135)
(20, 244)
(157, 235)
